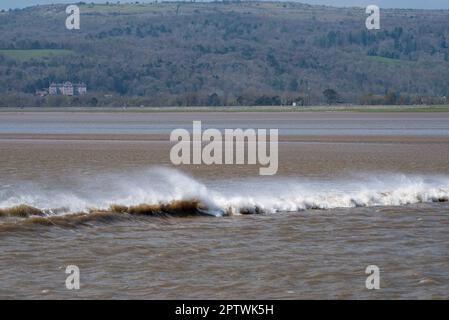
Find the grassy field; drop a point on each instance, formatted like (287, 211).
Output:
(420, 108)
(34, 54)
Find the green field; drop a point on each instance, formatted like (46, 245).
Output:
(388, 61)
(34, 54)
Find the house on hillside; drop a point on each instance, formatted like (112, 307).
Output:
(67, 89)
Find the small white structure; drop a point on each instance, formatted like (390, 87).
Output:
(42, 93)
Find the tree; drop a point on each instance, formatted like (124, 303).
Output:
(293, 85)
(93, 102)
(331, 96)
(391, 98)
(213, 100)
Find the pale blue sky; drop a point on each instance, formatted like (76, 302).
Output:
(417, 4)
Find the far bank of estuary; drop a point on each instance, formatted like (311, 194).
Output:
(336, 108)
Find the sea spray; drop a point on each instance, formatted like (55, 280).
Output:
(163, 191)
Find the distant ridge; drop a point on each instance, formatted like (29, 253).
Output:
(242, 53)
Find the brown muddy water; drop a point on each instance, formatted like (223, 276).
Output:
(98, 191)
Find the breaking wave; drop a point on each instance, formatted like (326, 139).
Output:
(167, 192)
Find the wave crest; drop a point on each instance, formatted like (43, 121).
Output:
(163, 192)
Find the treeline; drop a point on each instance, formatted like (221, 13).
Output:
(113, 101)
(22, 100)
(392, 98)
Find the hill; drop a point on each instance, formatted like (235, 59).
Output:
(231, 53)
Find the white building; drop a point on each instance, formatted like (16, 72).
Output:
(67, 89)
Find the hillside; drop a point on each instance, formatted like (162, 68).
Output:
(238, 53)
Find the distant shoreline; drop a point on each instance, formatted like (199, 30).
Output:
(345, 108)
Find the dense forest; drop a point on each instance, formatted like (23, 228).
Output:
(224, 53)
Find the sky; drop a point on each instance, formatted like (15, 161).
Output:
(415, 4)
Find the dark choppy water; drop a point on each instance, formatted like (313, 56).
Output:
(320, 254)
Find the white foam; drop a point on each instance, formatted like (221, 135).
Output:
(162, 185)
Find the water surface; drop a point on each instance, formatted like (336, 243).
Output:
(362, 189)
